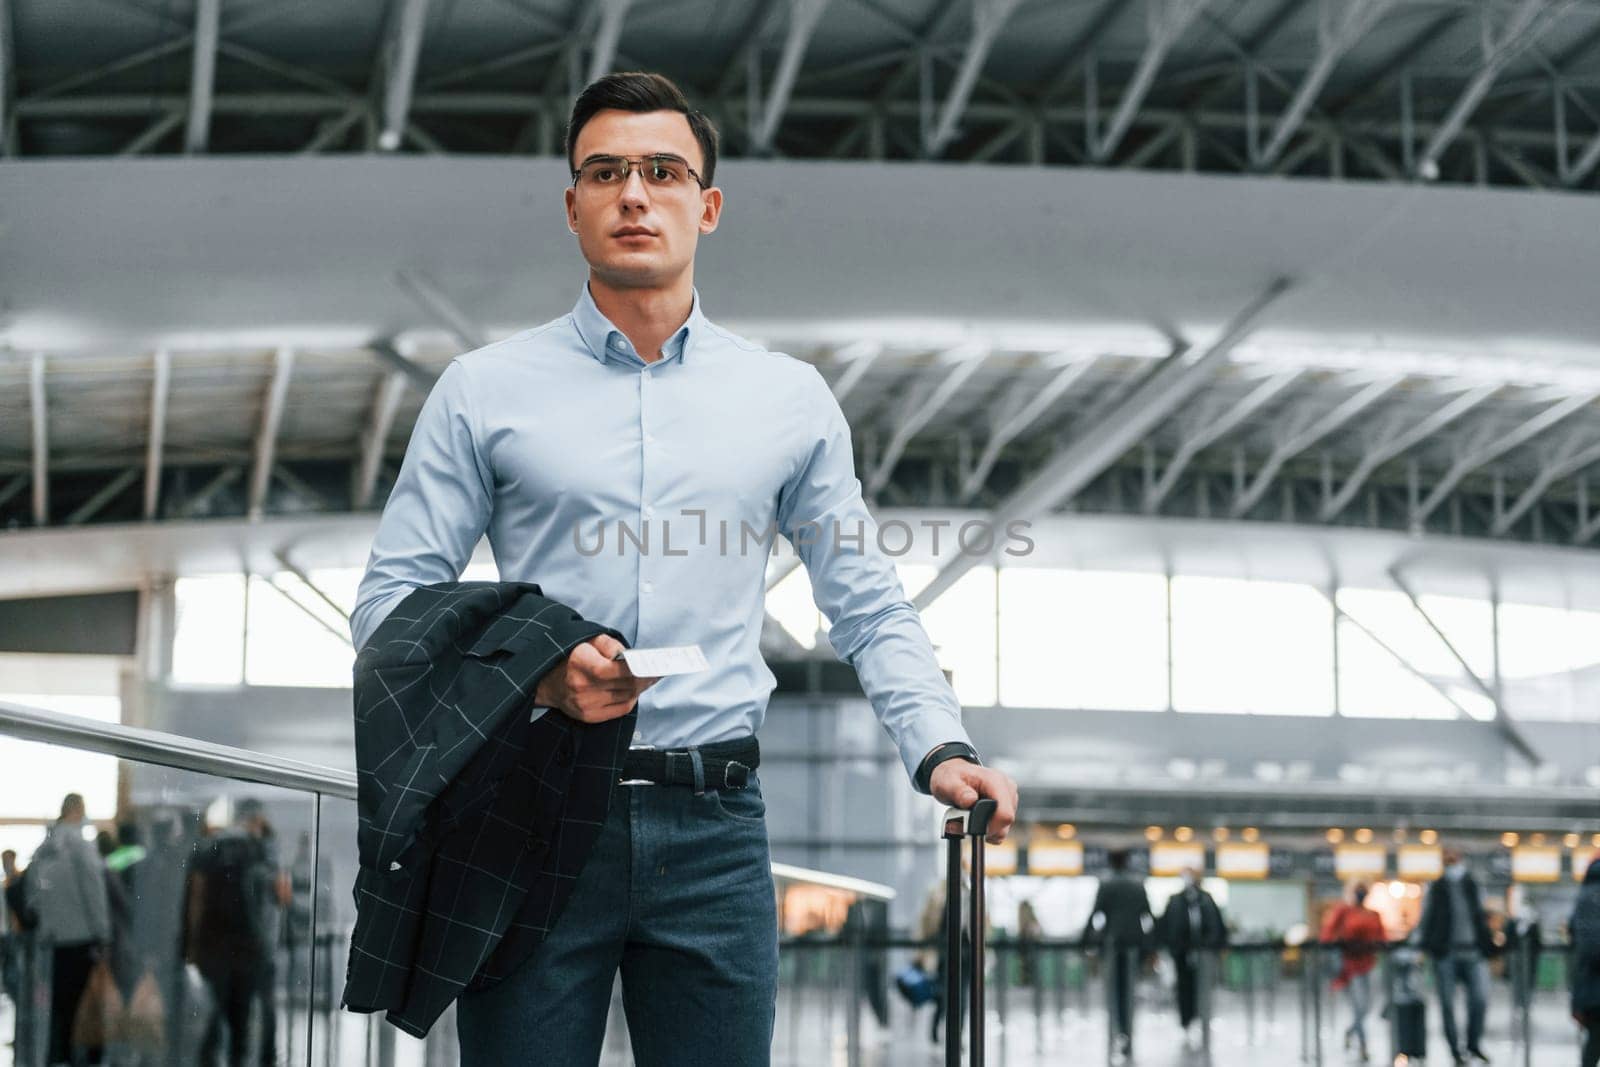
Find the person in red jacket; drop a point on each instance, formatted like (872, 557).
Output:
(1357, 929)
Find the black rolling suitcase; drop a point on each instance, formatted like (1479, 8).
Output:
(1411, 1031)
(1408, 1006)
(961, 825)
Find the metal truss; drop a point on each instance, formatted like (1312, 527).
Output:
(1211, 431)
(1200, 93)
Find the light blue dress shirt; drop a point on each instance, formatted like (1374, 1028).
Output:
(645, 495)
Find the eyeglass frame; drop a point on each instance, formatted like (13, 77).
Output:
(638, 161)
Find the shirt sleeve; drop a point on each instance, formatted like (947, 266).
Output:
(872, 625)
(438, 510)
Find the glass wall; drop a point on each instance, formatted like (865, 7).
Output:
(1064, 638)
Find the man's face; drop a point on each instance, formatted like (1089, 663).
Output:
(640, 235)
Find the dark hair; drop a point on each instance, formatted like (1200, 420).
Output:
(1118, 858)
(71, 802)
(642, 92)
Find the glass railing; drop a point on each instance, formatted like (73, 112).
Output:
(227, 884)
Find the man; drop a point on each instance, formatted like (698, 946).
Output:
(66, 892)
(1192, 929)
(1120, 921)
(235, 893)
(636, 413)
(1455, 933)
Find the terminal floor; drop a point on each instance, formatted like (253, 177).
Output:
(813, 1034)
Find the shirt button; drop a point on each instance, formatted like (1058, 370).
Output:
(649, 587)
(649, 511)
(638, 736)
(535, 843)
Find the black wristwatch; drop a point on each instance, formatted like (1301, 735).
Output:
(948, 750)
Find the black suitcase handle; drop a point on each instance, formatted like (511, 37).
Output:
(960, 824)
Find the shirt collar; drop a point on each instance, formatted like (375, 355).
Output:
(603, 340)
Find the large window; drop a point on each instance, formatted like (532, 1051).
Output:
(294, 637)
(961, 625)
(1250, 646)
(1083, 639)
(1395, 663)
(1550, 662)
(208, 644)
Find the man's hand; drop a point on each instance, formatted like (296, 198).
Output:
(959, 784)
(589, 685)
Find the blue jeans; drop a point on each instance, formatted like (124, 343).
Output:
(1469, 969)
(1359, 993)
(678, 895)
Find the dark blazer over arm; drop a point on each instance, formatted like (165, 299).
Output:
(475, 816)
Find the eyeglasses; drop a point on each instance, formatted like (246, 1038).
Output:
(660, 171)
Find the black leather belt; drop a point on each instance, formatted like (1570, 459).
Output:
(723, 765)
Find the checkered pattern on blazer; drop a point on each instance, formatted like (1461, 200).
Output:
(475, 818)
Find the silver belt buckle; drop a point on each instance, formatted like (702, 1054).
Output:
(638, 781)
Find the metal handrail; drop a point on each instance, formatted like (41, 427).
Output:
(172, 750)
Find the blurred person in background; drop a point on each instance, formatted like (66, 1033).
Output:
(1454, 931)
(1524, 942)
(66, 892)
(11, 927)
(1191, 927)
(1357, 930)
(1120, 923)
(235, 890)
(1585, 930)
(1029, 931)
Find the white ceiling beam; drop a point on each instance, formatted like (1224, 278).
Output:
(384, 407)
(1491, 450)
(1584, 164)
(159, 390)
(41, 440)
(1307, 436)
(803, 18)
(152, 134)
(1569, 460)
(105, 495)
(860, 356)
(272, 582)
(331, 129)
(426, 292)
(293, 568)
(404, 48)
(267, 434)
(1340, 24)
(607, 34)
(1015, 418)
(1530, 19)
(922, 404)
(1217, 428)
(1420, 674)
(988, 18)
(197, 502)
(202, 78)
(1393, 444)
(1167, 19)
(1502, 721)
(1177, 379)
